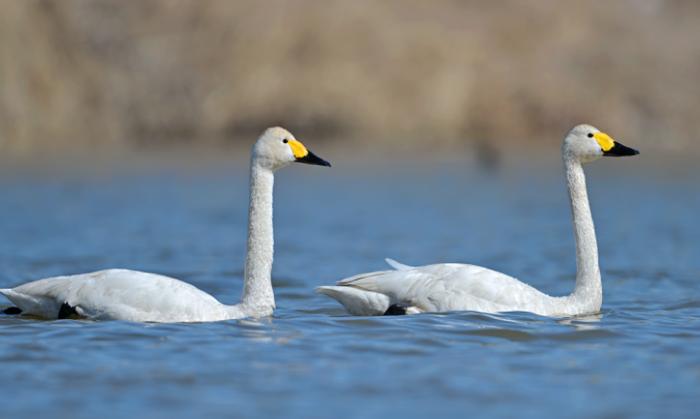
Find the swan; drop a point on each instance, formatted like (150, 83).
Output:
(456, 287)
(120, 294)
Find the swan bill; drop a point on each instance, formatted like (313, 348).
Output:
(311, 158)
(620, 150)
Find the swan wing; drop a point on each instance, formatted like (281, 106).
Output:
(117, 294)
(448, 287)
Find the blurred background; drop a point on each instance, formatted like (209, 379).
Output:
(101, 75)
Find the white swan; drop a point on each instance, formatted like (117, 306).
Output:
(121, 294)
(455, 287)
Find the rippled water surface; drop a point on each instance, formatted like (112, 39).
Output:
(639, 358)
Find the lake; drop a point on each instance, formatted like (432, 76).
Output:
(639, 358)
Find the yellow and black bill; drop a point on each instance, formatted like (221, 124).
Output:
(620, 150)
(311, 158)
(612, 148)
(303, 155)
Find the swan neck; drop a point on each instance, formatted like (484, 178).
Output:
(257, 284)
(589, 291)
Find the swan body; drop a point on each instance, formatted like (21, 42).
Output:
(124, 295)
(459, 287)
(443, 287)
(121, 294)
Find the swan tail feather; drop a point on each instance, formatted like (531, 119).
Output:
(397, 265)
(19, 301)
(30, 304)
(350, 280)
(356, 301)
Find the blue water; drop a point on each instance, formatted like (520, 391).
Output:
(639, 358)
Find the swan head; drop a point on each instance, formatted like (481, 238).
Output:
(277, 147)
(587, 143)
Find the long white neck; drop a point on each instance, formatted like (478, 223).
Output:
(588, 294)
(258, 296)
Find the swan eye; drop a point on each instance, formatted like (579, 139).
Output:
(590, 135)
(285, 141)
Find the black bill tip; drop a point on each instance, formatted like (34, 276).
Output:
(620, 150)
(311, 158)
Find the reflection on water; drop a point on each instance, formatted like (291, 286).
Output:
(638, 358)
(589, 322)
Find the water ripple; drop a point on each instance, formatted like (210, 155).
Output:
(638, 358)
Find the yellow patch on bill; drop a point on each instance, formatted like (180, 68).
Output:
(298, 149)
(604, 140)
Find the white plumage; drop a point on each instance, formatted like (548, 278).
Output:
(459, 287)
(121, 294)
(438, 288)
